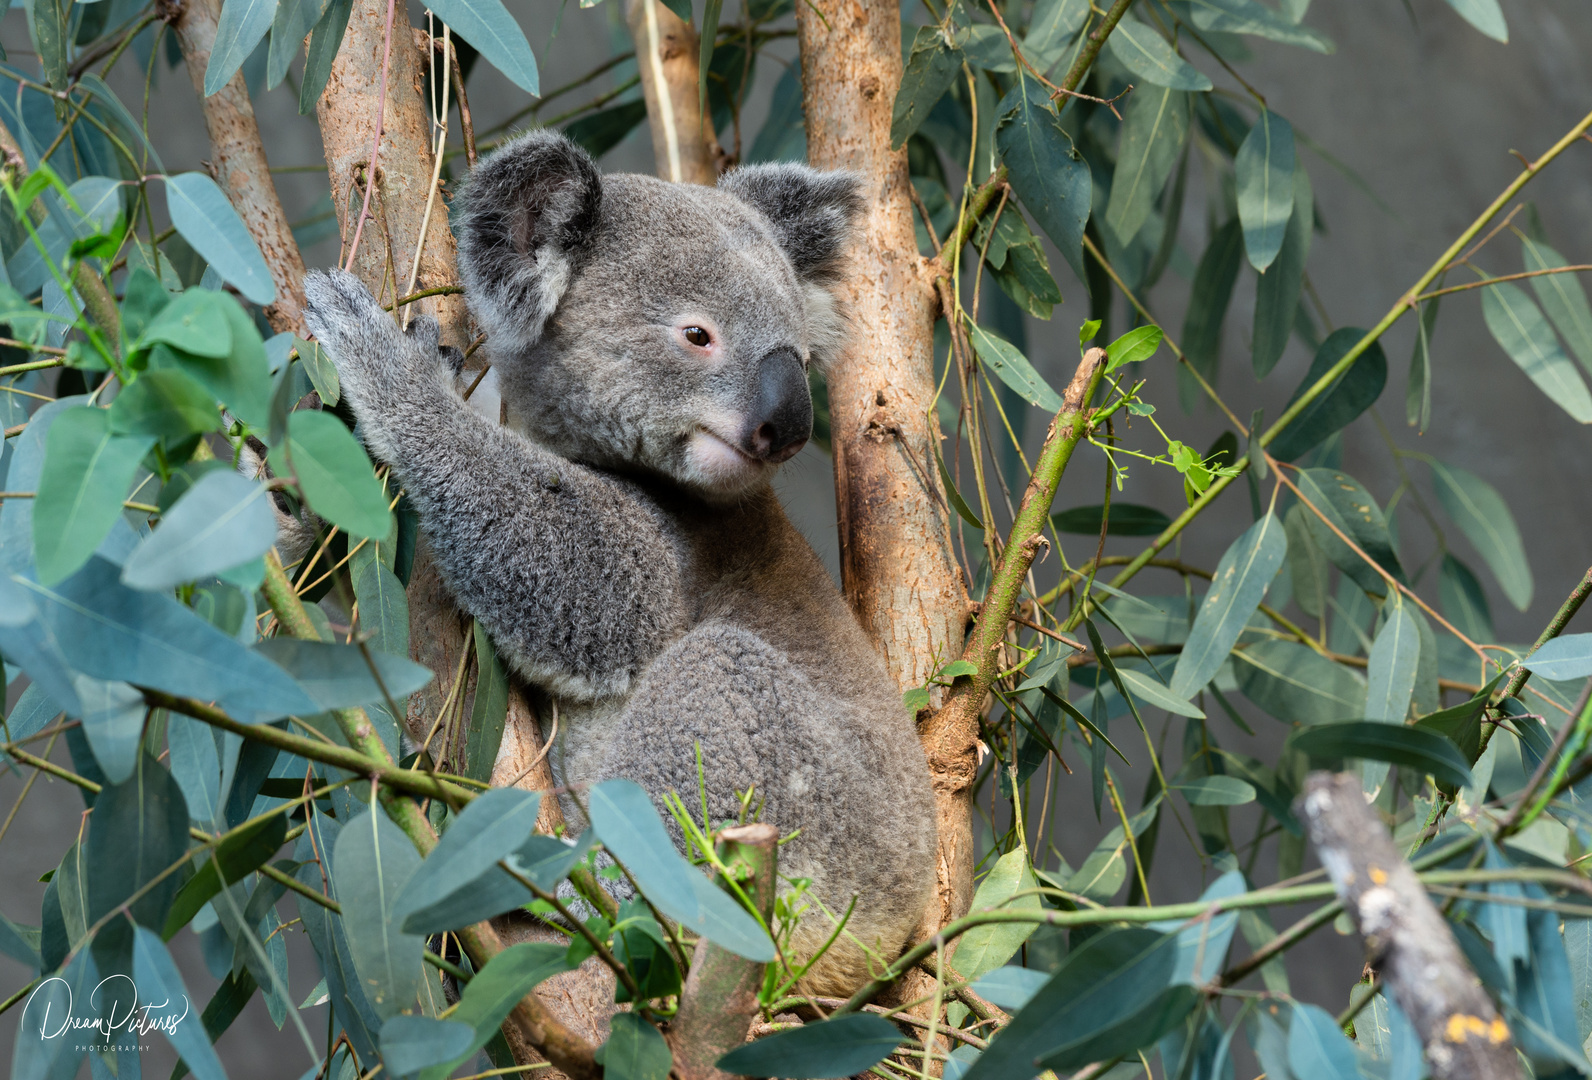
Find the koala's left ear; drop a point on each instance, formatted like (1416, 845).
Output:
(812, 212)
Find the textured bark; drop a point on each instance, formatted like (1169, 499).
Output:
(1463, 1035)
(896, 564)
(238, 161)
(719, 999)
(348, 113)
(667, 55)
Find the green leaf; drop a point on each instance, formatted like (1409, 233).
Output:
(47, 27)
(167, 404)
(711, 10)
(240, 380)
(1264, 168)
(243, 23)
(1520, 329)
(1153, 130)
(985, 948)
(635, 1050)
(322, 372)
(601, 131)
(1562, 659)
(161, 990)
(958, 503)
(236, 857)
(1053, 183)
(412, 1043)
(1463, 601)
(490, 828)
(1249, 17)
(1136, 345)
(1207, 305)
(204, 217)
(139, 828)
(1148, 55)
(38, 1059)
(334, 474)
(1484, 518)
(325, 40)
(1484, 15)
(1014, 370)
(1390, 678)
(293, 21)
(1352, 510)
(1216, 791)
(488, 711)
(1418, 395)
(844, 1046)
(372, 861)
(1296, 684)
(1051, 30)
(222, 521)
(931, 65)
(1317, 1047)
(1127, 519)
(1246, 569)
(1152, 692)
(340, 676)
(1375, 740)
(629, 827)
(1278, 291)
(491, 995)
(383, 608)
(1562, 297)
(1103, 983)
(87, 471)
(194, 322)
(1461, 725)
(1353, 393)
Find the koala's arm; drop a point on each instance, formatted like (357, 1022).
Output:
(569, 570)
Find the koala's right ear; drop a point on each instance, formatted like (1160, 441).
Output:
(527, 211)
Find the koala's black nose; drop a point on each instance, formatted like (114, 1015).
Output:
(782, 419)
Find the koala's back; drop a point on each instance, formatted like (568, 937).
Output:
(779, 687)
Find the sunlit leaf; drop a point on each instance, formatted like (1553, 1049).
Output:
(1264, 168)
(220, 522)
(203, 216)
(1520, 329)
(1485, 15)
(985, 948)
(1153, 129)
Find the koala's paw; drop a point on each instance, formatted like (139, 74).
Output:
(379, 365)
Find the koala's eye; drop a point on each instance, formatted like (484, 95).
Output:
(697, 336)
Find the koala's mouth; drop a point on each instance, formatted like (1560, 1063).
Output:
(717, 462)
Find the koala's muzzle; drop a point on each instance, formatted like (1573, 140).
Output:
(782, 418)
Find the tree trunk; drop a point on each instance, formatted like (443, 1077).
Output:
(237, 157)
(896, 563)
(667, 59)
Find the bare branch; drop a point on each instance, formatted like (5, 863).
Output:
(667, 58)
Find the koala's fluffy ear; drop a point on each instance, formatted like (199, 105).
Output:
(527, 212)
(812, 212)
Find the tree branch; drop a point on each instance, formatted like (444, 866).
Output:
(667, 60)
(1463, 1035)
(238, 160)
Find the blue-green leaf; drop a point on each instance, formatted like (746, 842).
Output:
(1390, 678)
(844, 1046)
(1126, 519)
(371, 863)
(984, 948)
(204, 217)
(1207, 306)
(1249, 17)
(222, 521)
(1217, 791)
(490, 828)
(139, 827)
(488, 26)
(1463, 601)
(86, 474)
(194, 321)
(1484, 518)
(1375, 740)
(243, 23)
(1562, 297)
(334, 473)
(1563, 658)
(1153, 130)
(412, 1043)
(1296, 684)
(931, 65)
(1242, 576)
(1351, 510)
(1353, 393)
(498, 987)
(1013, 368)
(1148, 55)
(1317, 1047)
(340, 676)
(1264, 169)
(1053, 183)
(1485, 15)
(162, 991)
(1152, 692)
(634, 1051)
(629, 827)
(1520, 329)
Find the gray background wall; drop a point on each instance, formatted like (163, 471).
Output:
(1415, 101)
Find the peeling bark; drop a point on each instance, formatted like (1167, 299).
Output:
(896, 563)
(667, 55)
(239, 163)
(1463, 1036)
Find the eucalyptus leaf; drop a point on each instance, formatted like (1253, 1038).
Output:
(161, 990)
(1053, 183)
(1346, 507)
(334, 474)
(412, 1043)
(1148, 55)
(201, 212)
(1152, 692)
(1125, 519)
(635, 1050)
(1390, 677)
(1375, 740)
(1483, 516)
(1264, 168)
(344, 676)
(1013, 368)
(1341, 402)
(1317, 1047)
(1485, 15)
(373, 860)
(1153, 129)
(1245, 570)
(1296, 684)
(220, 522)
(1562, 297)
(843, 1046)
(1562, 659)
(985, 948)
(1217, 791)
(1208, 302)
(167, 404)
(930, 68)
(243, 23)
(87, 471)
(489, 828)
(1523, 333)
(491, 995)
(139, 828)
(1250, 17)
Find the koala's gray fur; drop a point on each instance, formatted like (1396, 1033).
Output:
(619, 540)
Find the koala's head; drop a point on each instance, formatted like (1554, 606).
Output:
(642, 325)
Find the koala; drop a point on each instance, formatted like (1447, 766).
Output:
(619, 537)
